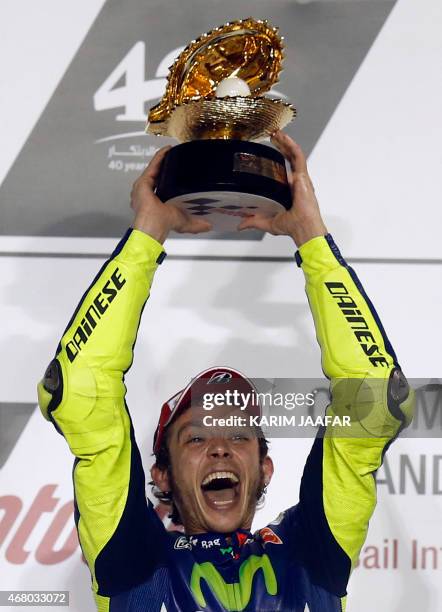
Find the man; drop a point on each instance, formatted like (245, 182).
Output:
(214, 477)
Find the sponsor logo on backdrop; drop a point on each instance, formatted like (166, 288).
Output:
(411, 474)
(89, 143)
(20, 518)
(395, 554)
(48, 551)
(126, 90)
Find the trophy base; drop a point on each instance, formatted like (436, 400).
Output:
(222, 180)
(225, 209)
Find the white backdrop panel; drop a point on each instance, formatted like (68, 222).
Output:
(253, 316)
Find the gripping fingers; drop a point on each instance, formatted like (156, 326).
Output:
(152, 170)
(291, 151)
(185, 223)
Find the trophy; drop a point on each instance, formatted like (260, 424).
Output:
(214, 105)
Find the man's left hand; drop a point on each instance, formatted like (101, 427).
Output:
(303, 221)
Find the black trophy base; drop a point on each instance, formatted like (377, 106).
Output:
(222, 180)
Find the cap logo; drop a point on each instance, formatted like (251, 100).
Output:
(220, 377)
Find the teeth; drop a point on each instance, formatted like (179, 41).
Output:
(216, 475)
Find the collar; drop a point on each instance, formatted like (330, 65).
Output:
(219, 545)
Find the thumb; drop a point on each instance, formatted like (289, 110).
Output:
(256, 222)
(200, 226)
(196, 226)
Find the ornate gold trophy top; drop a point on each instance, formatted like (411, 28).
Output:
(215, 87)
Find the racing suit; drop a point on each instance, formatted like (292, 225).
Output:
(301, 561)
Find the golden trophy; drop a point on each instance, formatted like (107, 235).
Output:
(214, 104)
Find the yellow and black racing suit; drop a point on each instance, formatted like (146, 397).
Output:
(301, 561)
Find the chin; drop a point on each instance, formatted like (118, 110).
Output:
(224, 524)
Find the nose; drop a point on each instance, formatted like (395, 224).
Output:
(219, 447)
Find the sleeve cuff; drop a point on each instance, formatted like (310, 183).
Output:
(139, 247)
(319, 253)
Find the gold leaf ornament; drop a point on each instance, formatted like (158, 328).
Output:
(251, 50)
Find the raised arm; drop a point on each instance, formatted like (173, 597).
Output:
(338, 492)
(338, 495)
(83, 393)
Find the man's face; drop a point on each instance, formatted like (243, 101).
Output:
(216, 471)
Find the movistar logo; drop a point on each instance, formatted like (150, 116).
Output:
(236, 596)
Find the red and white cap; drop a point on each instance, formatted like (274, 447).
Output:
(213, 381)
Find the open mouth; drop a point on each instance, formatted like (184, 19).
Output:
(220, 489)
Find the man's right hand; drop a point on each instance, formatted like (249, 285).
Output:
(154, 217)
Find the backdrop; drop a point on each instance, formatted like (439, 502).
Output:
(76, 81)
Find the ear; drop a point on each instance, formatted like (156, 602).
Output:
(160, 478)
(267, 468)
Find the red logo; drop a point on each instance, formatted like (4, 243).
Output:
(268, 536)
(49, 551)
(242, 538)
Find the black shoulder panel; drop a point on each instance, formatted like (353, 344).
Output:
(138, 546)
(315, 546)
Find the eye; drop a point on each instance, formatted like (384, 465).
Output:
(195, 440)
(240, 437)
